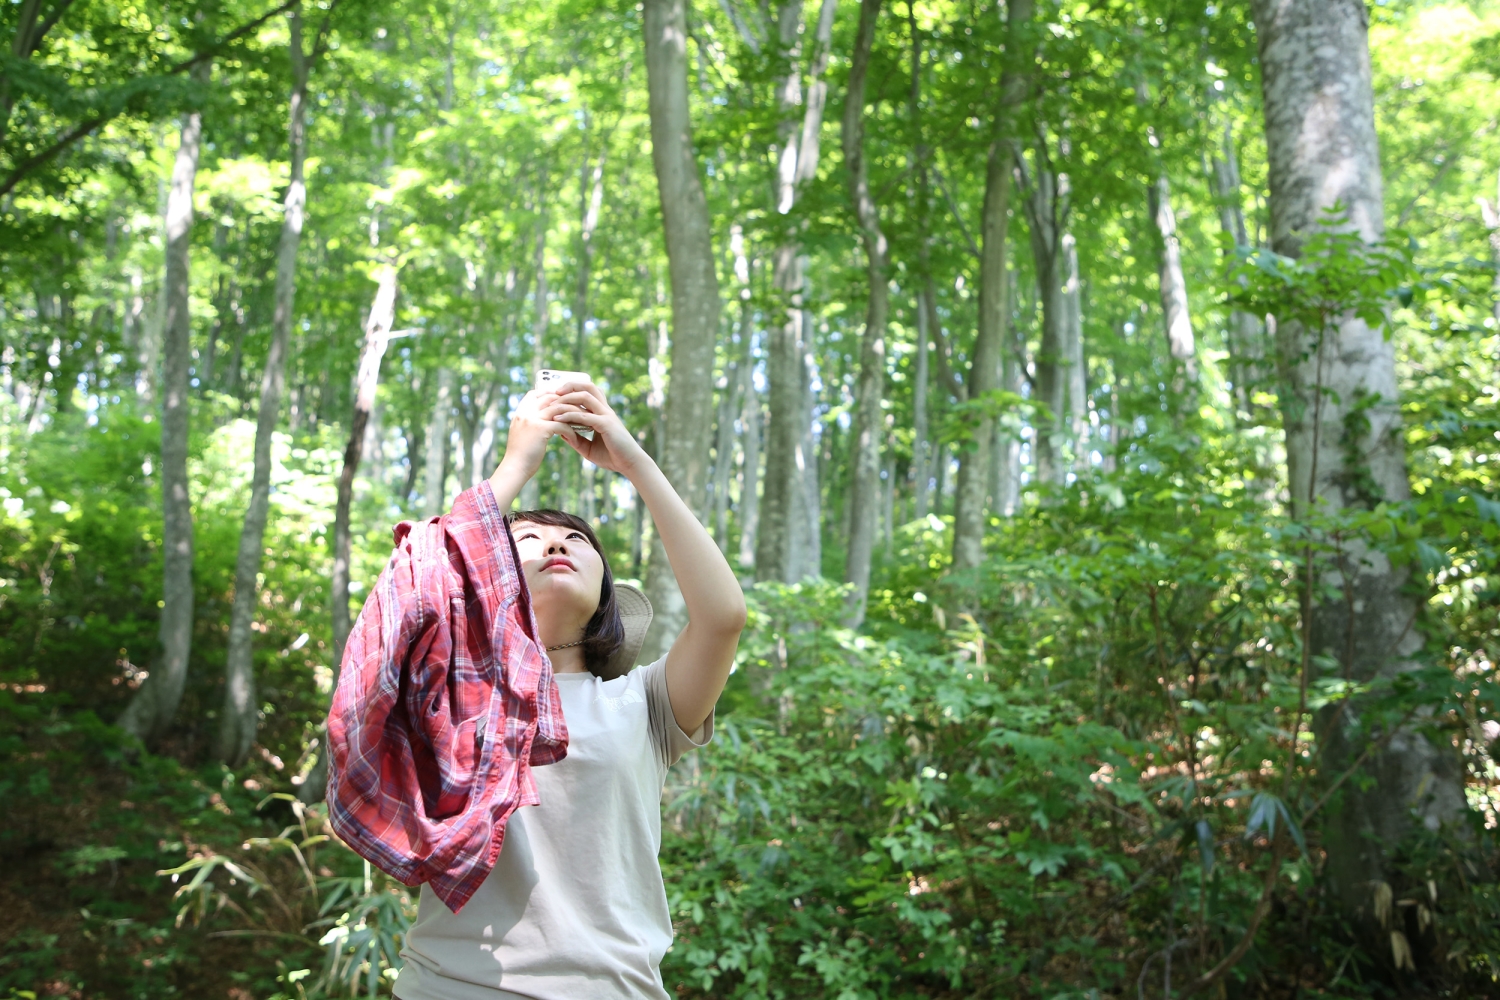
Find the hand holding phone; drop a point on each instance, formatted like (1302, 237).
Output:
(552, 380)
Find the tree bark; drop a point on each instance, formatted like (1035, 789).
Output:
(1246, 336)
(530, 497)
(1046, 209)
(1490, 211)
(695, 297)
(1176, 318)
(918, 474)
(367, 380)
(865, 496)
(994, 308)
(750, 420)
(1322, 150)
(784, 508)
(154, 706)
(433, 498)
(239, 716)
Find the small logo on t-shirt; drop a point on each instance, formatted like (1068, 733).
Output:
(631, 697)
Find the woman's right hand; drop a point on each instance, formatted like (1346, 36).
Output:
(531, 428)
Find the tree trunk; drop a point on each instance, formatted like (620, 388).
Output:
(984, 369)
(1046, 207)
(1007, 456)
(869, 419)
(433, 498)
(1077, 362)
(1247, 345)
(155, 705)
(724, 453)
(239, 716)
(784, 494)
(749, 512)
(695, 297)
(530, 497)
(1322, 150)
(367, 380)
(919, 473)
(1490, 211)
(1173, 286)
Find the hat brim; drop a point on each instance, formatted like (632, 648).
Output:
(635, 615)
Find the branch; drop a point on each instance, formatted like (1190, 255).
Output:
(82, 129)
(952, 207)
(1262, 907)
(35, 42)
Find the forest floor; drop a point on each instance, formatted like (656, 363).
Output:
(83, 910)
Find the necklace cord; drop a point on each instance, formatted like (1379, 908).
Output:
(567, 645)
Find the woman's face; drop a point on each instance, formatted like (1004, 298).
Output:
(564, 574)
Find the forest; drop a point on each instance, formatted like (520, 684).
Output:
(1097, 399)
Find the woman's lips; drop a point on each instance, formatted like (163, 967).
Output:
(558, 561)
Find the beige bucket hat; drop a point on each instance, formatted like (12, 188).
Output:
(635, 614)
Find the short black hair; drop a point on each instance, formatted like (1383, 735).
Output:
(605, 632)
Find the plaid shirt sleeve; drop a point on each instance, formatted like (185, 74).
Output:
(445, 702)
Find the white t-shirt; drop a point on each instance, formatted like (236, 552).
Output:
(575, 908)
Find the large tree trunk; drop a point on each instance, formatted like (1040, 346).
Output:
(239, 716)
(784, 509)
(152, 709)
(367, 380)
(869, 419)
(695, 297)
(994, 309)
(1322, 150)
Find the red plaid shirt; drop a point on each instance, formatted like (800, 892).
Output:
(445, 702)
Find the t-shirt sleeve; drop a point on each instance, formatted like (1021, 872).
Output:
(667, 736)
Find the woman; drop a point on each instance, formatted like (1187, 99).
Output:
(575, 906)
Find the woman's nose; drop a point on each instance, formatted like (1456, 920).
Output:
(558, 546)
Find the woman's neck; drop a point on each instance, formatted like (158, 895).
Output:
(568, 661)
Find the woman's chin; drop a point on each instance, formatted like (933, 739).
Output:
(553, 597)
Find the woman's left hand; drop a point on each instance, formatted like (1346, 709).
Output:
(613, 447)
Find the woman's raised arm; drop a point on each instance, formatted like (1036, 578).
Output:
(699, 660)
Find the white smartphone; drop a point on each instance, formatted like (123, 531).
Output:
(549, 378)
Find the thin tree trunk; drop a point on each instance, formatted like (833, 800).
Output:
(1321, 150)
(1490, 211)
(784, 495)
(531, 492)
(1078, 406)
(724, 453)
(1246, 335)
(1176, 318)
(154, 706)
(984, 370)
(433, 497)
(695, 297)
(1046, 207)
(750, 420)
(239, 716)
(864, 490)
(1007, 454)
(367, 380)
(921, 446)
